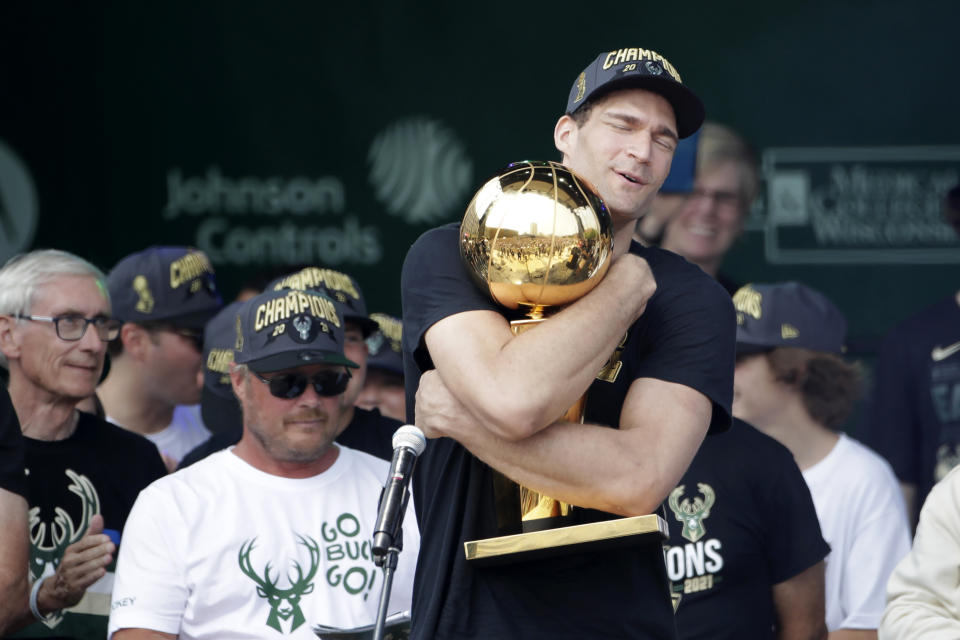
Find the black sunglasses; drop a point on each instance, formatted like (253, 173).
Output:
(292, 385)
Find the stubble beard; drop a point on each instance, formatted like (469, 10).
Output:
(283, 450)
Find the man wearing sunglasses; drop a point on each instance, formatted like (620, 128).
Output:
(82, 473)
(362, 428)
(164, 296)
(272, 535)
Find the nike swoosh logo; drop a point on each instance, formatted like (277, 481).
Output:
(942, 353)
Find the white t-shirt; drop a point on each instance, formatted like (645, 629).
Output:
(864, 519)
(184, 432)
(223, 550)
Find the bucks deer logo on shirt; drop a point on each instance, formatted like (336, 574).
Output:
(48, 540)
(284, 601)
(692, 513)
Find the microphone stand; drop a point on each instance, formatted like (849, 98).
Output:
(389, 563)
(408, 443)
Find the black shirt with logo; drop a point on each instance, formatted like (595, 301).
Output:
(100, 468)
(686, 335)
(913, 417)
(741, 520)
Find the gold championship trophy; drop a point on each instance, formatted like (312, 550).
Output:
(535, 238)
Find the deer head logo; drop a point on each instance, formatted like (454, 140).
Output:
(45, 555)
(284, 603)
(692, 514)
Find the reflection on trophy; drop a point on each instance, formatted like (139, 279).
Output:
(536, 237)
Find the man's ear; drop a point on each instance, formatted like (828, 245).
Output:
(565, 134)
(237, 381)
(9, 337)
(135, 340)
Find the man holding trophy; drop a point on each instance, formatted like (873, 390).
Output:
(650, 347)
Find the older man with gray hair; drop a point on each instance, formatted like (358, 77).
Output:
(83, 474)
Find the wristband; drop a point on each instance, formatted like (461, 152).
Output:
(34, 609)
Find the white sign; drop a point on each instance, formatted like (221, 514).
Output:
(867, 205)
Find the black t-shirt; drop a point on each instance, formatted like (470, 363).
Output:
(686, 335)
(913, 416)
(100, 468)
(11, 448)
(731, 286)
(369, 431)
(741, 520)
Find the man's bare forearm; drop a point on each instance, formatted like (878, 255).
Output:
(627, 471)
(800, 606)
(516, 385)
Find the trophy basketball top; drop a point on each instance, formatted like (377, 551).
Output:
(536, 235)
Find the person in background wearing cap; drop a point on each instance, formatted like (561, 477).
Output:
(703, 224)
(913, 416)
(661, 329)
(219, 406)
(792, 384)
(383, 388)
(83, 474)
(270, 537)
(363, 428)
(164, 296)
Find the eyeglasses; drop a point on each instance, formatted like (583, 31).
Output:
(726, 199)
(292, 385)
(72, 327)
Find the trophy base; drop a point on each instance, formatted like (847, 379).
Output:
(594, 536)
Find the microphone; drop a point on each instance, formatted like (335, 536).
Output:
(408, 443)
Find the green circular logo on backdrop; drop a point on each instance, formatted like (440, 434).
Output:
(18, 204)
(420, 171)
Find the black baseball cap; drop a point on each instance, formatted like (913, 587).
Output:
(289, 328)
(641, 69)
(384, 345)
(219, 407)
(787, 314)
(219, 338)
(337, 285)
(165, 284)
